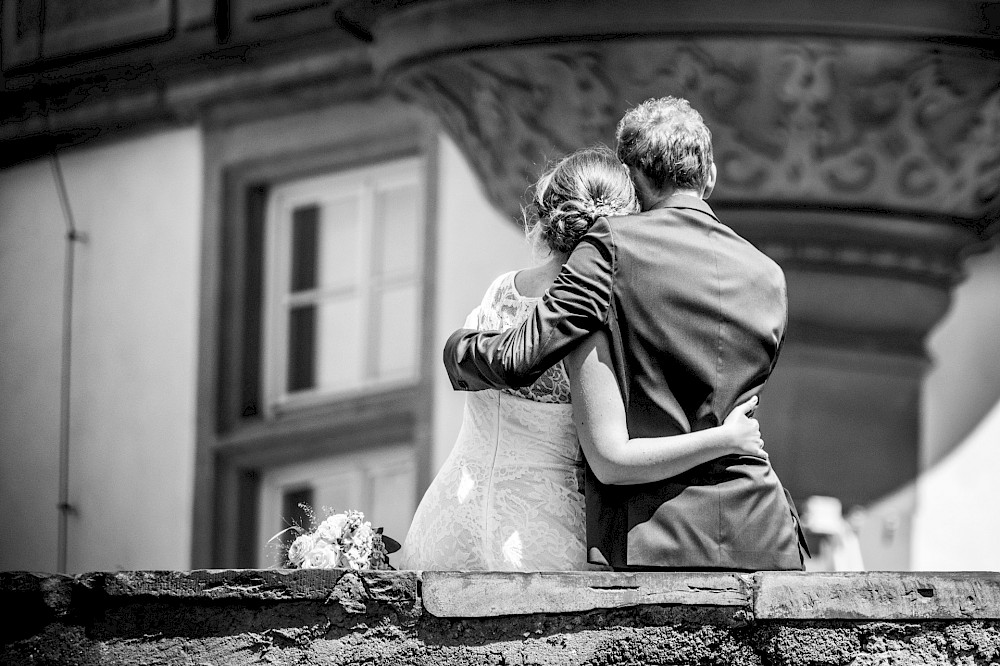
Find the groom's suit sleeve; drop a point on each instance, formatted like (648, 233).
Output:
(576, 304)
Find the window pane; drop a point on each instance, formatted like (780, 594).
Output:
(305, 228)
(341, 348)
(301, 345)
(340, 487)
(398, 212)
(398, 332)
(393, 496)
(351, 245)
(292, 512)
(340, 242)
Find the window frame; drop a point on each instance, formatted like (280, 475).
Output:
(276, 400)
(234, 443)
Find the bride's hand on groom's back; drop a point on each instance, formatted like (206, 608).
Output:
(744, 430)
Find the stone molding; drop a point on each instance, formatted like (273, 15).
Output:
(869, 243)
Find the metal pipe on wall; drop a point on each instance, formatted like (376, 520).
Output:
(72, 237)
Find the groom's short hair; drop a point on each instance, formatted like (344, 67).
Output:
(668, 142)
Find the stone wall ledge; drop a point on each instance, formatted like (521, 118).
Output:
(345, 617)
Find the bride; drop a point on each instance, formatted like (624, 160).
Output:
(510, 495)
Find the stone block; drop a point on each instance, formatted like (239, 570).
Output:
(392, 587)
(36, 600)
(486, 594)
(877, 596)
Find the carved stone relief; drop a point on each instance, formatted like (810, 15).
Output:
(893, 127)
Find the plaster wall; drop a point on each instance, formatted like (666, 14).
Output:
(940, 521)
(475, 244)
(32, 248)
(953, 525)
(963, 384)
(133, 354)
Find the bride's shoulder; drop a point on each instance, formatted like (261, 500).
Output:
(502, 301)
(501, 286)
(501, 281)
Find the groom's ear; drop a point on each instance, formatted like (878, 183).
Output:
(642, 188)
(713, 175)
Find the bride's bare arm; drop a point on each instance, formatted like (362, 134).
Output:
(599, 413)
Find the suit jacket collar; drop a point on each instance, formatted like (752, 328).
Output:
(686, 201)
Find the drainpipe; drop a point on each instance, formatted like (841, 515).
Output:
(72, 237)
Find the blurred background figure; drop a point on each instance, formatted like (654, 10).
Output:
(235, 234)
(832, 538)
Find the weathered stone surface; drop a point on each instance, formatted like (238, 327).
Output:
(809, 644)
(260, 584)
(867, 644)
(51, 590)
(878, 596)
(464, 594)
(350, 618)
(293, 605)
(38, 599)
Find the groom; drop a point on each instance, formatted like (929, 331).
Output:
(695, 316)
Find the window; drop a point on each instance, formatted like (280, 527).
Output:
(343, 283)
(317, 363)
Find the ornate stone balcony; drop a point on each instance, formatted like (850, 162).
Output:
(405, 617)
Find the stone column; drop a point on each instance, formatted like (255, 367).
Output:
(857, 146)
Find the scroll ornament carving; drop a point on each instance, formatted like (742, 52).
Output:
(822, 123)
(512, 115)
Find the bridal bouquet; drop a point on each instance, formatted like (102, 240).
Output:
(341, 541)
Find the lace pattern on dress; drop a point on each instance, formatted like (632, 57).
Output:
(504, 307)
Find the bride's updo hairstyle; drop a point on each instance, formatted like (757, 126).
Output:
(574, 192)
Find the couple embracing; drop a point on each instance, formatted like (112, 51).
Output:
(610, 422)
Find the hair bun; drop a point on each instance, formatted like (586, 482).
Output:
(567, 223)
(581, 188)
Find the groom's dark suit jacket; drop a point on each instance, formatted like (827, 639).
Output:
(696, 316)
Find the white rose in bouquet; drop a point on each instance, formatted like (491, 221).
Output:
(323, 556)
(332, 529)
(300, 548)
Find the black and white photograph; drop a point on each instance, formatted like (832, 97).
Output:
(500, 332)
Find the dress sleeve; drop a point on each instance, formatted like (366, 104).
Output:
(486, 316)
(472, 320)
(577, 303)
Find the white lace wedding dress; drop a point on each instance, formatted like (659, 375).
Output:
(509, 497)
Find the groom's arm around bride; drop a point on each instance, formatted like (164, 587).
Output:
(694, 317)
